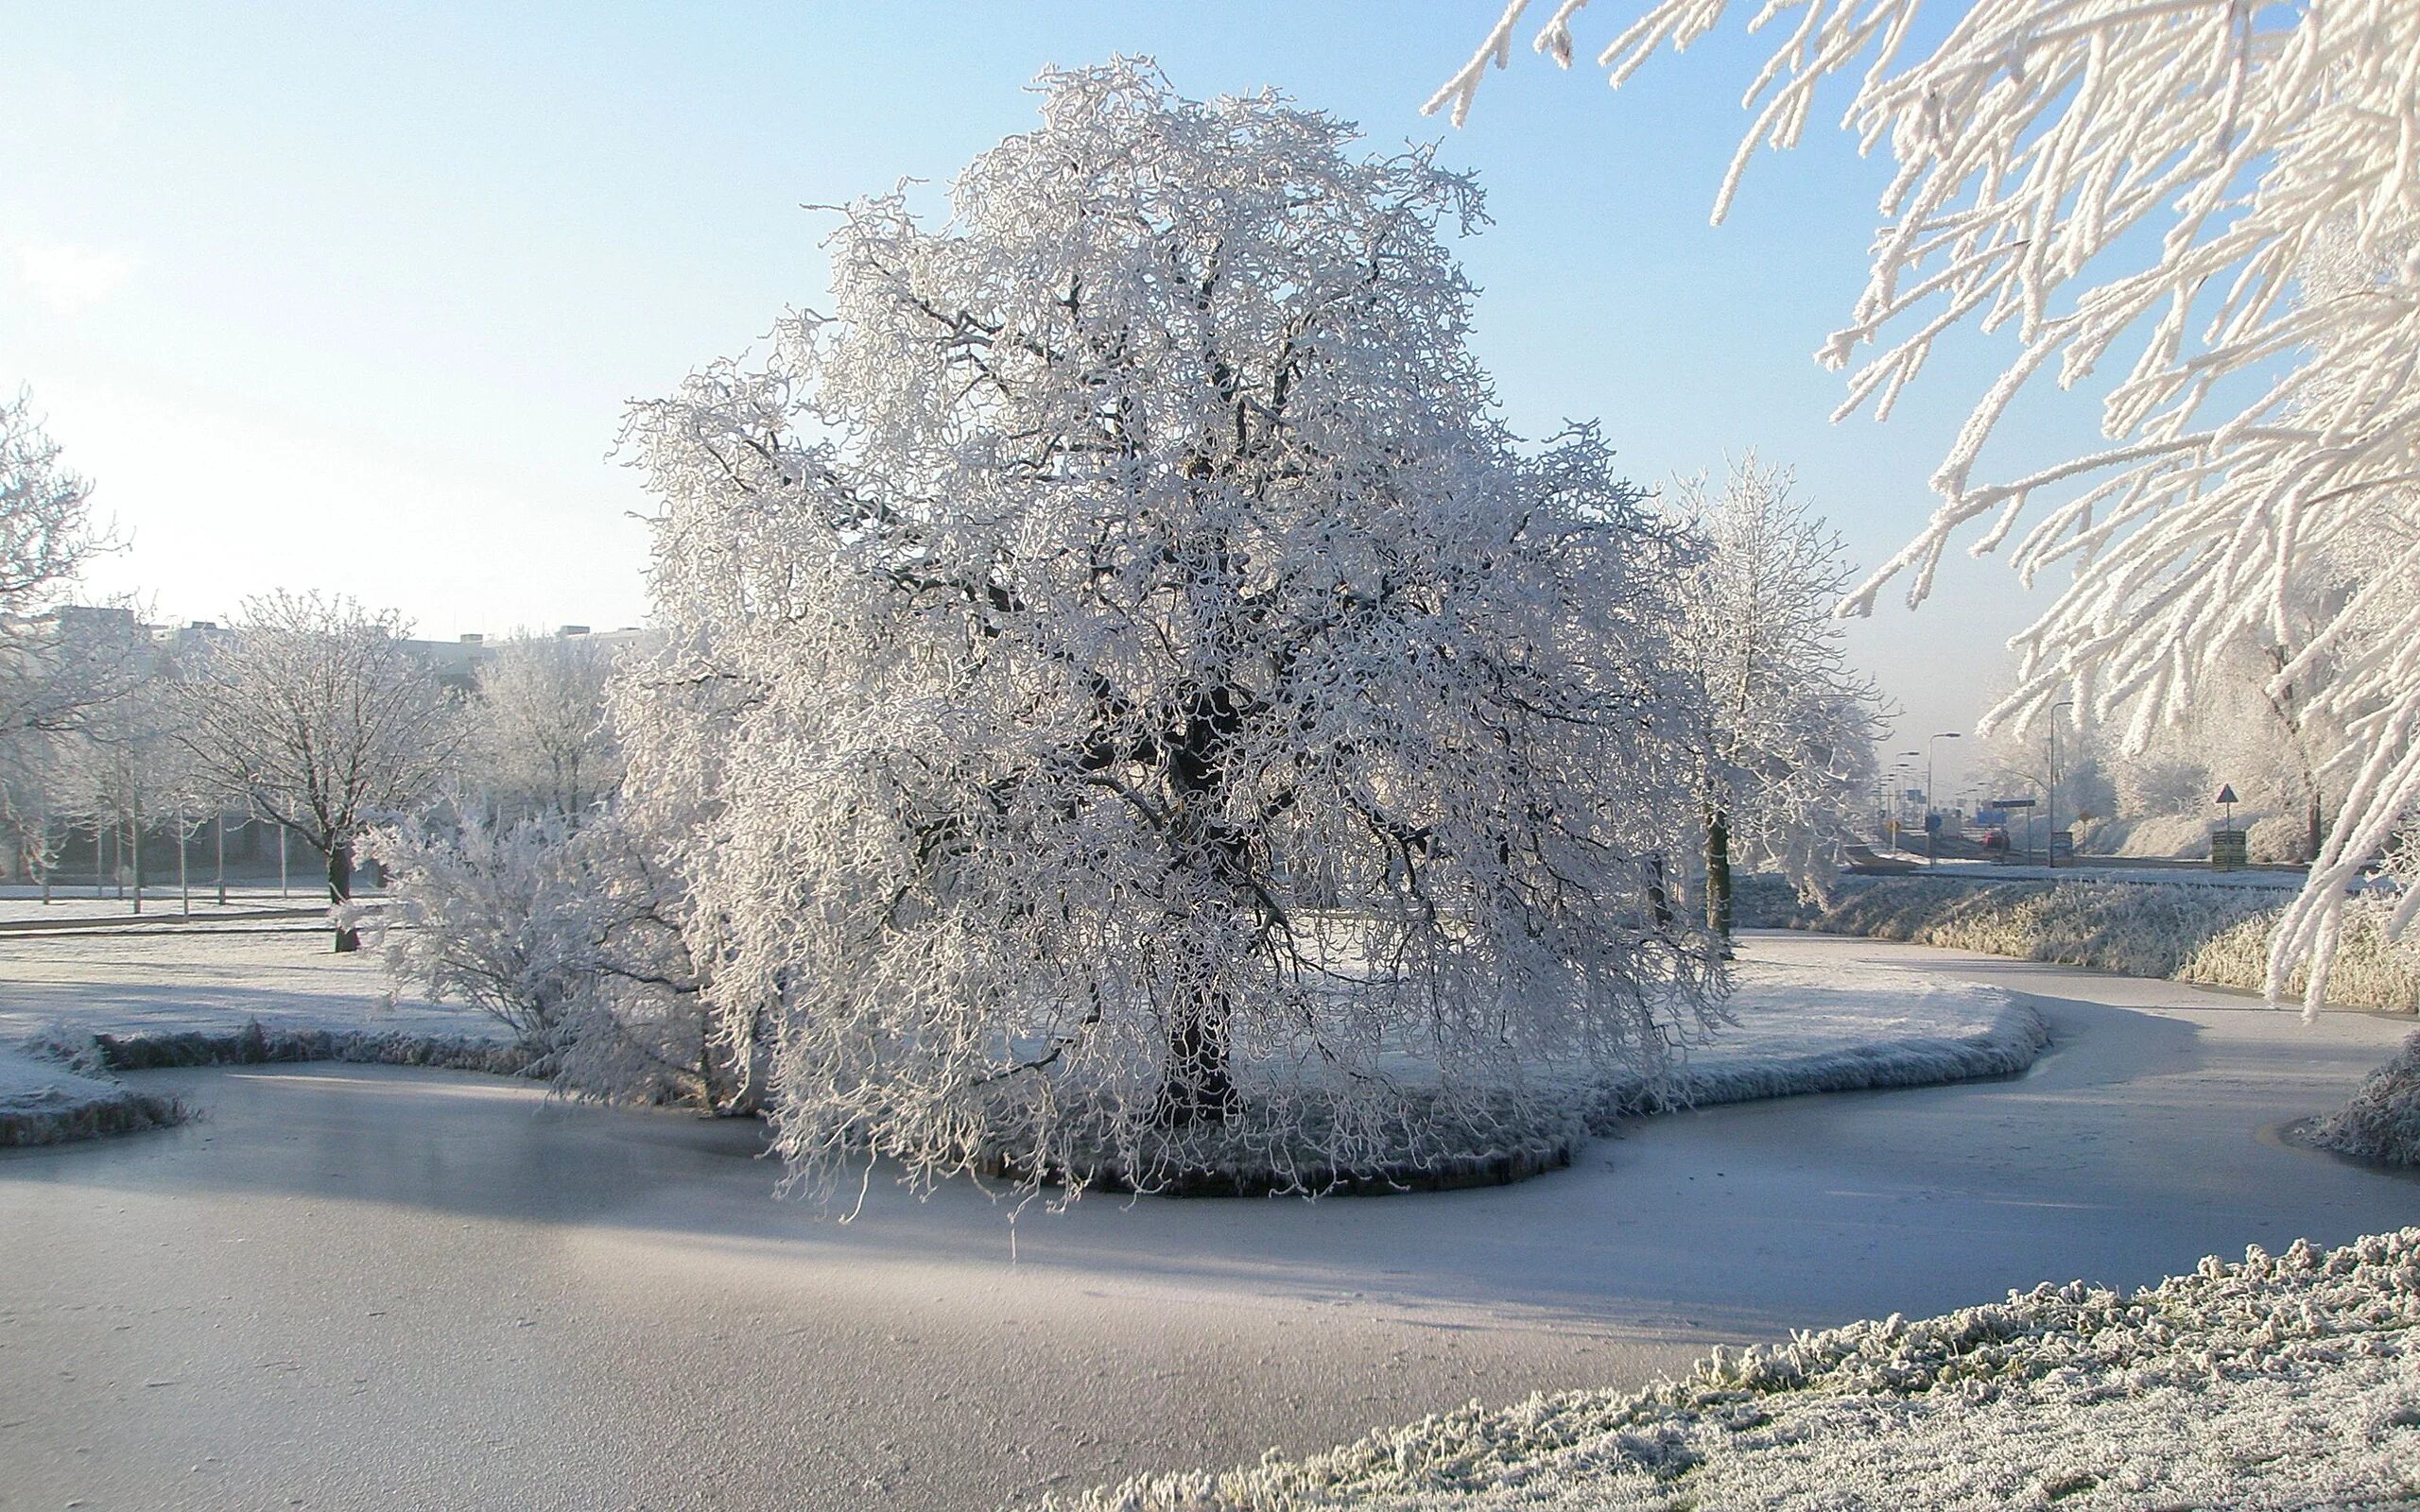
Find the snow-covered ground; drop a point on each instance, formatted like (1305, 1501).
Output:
(2291, 1381)
(340, 1267)
(169, 982)
(72, 902)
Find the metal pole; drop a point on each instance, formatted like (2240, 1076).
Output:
(281, 863)
(184, 877)
(2050, 799)
(222, 855)
(2051, 841)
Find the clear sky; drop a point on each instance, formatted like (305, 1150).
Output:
(352, 297)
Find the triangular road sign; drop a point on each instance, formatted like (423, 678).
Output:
(2226, 793)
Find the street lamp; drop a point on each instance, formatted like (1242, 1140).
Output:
(1933, 826)
(1897, 799)
(2050, 799)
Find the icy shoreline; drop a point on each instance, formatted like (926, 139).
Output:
(2174, 931)
(48, 1101)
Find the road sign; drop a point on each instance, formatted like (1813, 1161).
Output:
(2226, 793)
(2012, 802)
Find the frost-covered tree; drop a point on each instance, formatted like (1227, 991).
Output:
(2228, 187)
(123, 771)
(57, 662)
(1160, 717)
(1783, 745)
(543, 738)
(60, 664)
(313, 712)
(46, 532)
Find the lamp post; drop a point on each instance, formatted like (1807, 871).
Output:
(1898, 797)
(1933, 826)
(2050, 797)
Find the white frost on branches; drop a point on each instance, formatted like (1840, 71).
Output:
(46, 533)
(1783, 752)
(312, 712)
(1138, 708)
(2229, 191)
(542, 738)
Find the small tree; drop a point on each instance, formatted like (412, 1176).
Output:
(1163, 719)
(1783, 745)
(542, 739)
(313, 710)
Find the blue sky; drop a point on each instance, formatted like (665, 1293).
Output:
(352, 298)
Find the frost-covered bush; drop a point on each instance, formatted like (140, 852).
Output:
(488, 915)
(570, 938)
(2382, 1120)
(1130, 693)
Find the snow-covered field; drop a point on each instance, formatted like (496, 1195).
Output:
(2291, 1381)
(71, 902)
(169, 982)
(64, 989)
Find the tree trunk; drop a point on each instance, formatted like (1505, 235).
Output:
(1198, 1087)
(341, 893)
(1717, 875)
(1659, 901)
(2314, 827)
(1197, 1084)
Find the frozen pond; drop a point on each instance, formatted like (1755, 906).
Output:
(356, 1287)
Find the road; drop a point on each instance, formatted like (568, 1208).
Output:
(356, 1287)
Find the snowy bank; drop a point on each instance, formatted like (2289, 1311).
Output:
(2180, 931)
(1797, 1029)
(46, 1100)
(76, 1008)
(2283, 1382)
(140, 1002)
